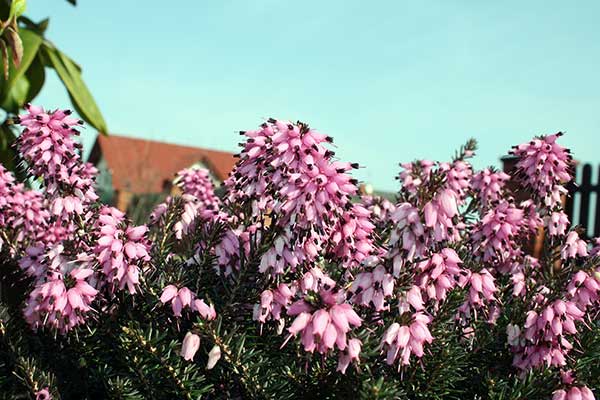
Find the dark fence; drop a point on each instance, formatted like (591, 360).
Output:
(583, 202)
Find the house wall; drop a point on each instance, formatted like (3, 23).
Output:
(104, 184)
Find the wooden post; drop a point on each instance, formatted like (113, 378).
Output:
(534, 246)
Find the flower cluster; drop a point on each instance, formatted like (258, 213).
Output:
(546, 335)
(48, 147)
(495, 234)
(380, 208)
(402, 341)
(273, 302)
(372, 288)
(489, 185)
(234, 245)
(286, 171)
(64, 298)
(24, 216)
(324, 328)
(439, 274)
(120, 249)
(544, 166)
(197, 202)
(184, 298)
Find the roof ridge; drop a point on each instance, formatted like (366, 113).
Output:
(158, 142)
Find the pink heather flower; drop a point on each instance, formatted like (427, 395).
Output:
(559, 395)
(439, 216)
(191, 209)
(159, 211)
(545, 167)
(62, 302)
(573, 247)
(206, 311)
(414, 298)
(567, 377)
(351, 353)
(190, 345)
(214, 355)
(197, 202)
(586, 393)
(519, 284)
(546, 335)
(43, 394)
(441, 210)
(514, 335)
(228, 249)
(24, 218)
(489, 185)
(272, 302)
(353, 237)
(531, 218)
(419, 173)
(32, 262)
(402, 341)
(380, 208)
(7, 181)
(285, 254)
(557, 223)
(495, 234)
(414, 175)
(197, 182)
(47, 143)
(481, 285)
(315, 280)
(185, 298)
(458, 176)
(584, 289)
(326, 328)
(179, 298)
(574, 393)
(372, 288)
(121, 249)
(439, 274)
(407, 240)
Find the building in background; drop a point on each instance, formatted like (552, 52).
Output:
(130, 167)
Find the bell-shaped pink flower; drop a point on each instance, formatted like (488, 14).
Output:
(190, 345)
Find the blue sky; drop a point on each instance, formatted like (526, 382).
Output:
(391, 81)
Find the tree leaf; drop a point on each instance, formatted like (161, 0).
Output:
(15, 98)
(25, 82)
(36, 75)
(31, 44)
(74, 2)
(38, 27)
(17, 8)
(70, 75)
(7, 153)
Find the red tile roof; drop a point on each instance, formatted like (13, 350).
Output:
(143, 166)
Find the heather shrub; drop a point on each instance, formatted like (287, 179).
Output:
(293, 285)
